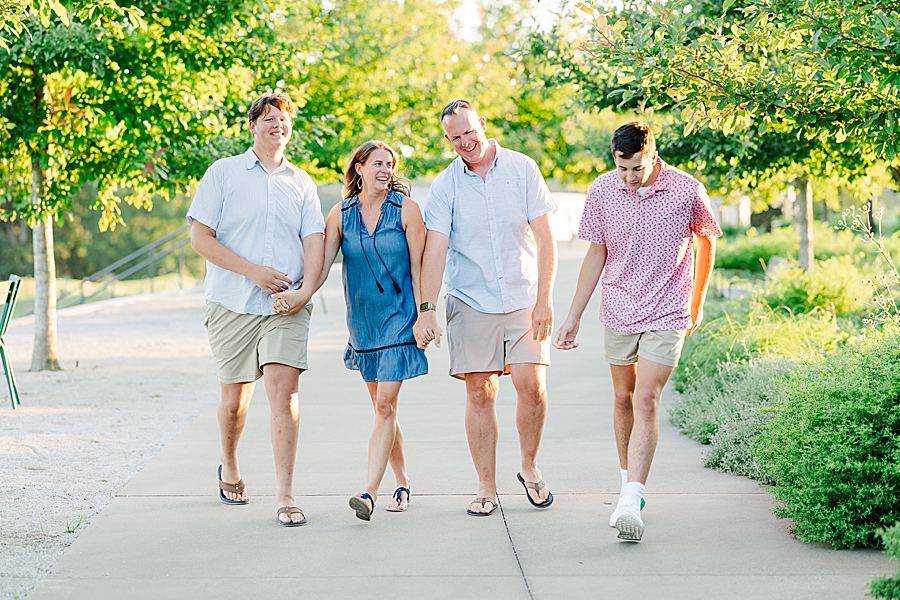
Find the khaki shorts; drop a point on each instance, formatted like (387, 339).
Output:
(663, 347)
(485, 343)
(243, 344)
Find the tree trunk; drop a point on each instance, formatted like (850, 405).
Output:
(790, 204)
(43, 358)
(804, 222)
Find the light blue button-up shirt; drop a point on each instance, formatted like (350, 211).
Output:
(492, 257)
(260, 216)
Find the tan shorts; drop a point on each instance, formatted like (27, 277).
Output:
(243, 344)
(663, 347)
(485, 343)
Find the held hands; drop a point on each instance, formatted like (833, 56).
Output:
(427, 330)
(270, 280)
(290, 302)
(565, 337)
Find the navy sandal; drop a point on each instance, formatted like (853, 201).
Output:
(358, 503)
(398, 496)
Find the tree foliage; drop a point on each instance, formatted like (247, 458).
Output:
(15, 14)
(822, 71)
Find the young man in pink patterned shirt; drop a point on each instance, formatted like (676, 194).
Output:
(641, 221)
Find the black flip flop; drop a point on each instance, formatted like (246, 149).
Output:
(537, 488)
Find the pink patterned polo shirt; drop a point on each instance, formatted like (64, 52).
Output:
(646, 283)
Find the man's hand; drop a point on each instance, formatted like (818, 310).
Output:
(542, 320)
(696, 319)
(290, 302)
(427, 330)
(269, 280)
(565, 337)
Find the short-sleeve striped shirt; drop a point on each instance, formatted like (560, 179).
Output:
(647, 281)
(492, 257)
(260, 216)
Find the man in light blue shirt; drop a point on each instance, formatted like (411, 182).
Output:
(488, 221)
(257, 221)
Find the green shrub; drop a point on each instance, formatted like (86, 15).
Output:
(744, 329)
(727, 410)
(888, 587)
(835, 284)
(833, 449)
(752, 250)
(749, 250)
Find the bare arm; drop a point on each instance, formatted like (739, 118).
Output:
(414, 227)
(434, 258)
(204, 243)
(292, 301)
(333, 238)
(289, 302)
(706, 258)
(588, 277)
(542, 315)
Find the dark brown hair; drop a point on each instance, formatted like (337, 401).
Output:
(632, 138)
(353, 180)
(454, 107)
(281, 101)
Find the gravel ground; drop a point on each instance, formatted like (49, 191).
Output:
(137, 370)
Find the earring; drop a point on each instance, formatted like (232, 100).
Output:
(359, 183)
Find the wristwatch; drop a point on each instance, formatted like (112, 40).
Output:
(425, 306)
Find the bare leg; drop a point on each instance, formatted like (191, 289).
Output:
(623, 378)
(482, 432)
(281, 387)
(232, 415)
(651, 378)
(382, 443)
(531, 412)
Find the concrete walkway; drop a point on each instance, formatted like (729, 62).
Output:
(166, 535)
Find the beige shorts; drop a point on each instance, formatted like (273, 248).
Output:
(485, 343)
(243, 344)
(663, 347)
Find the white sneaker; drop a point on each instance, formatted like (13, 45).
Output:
(629, 524)
(618, 511)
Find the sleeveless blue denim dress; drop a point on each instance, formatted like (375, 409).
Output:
(381, 307)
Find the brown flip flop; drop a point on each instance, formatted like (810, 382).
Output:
(237, 488)
(483, 501)
(290, 511)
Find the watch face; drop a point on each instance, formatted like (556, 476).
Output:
(426, 306)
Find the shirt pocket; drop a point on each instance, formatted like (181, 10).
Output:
(287, 201)
(514, 198)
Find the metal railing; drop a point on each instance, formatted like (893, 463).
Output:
(146, 258)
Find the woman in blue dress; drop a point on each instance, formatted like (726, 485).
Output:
(380, 232)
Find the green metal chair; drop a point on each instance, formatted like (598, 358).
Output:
(5, 316)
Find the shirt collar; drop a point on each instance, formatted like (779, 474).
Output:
(661, 179)
(251, 160)
(491, 142)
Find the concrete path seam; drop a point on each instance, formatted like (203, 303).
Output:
(513, 545)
